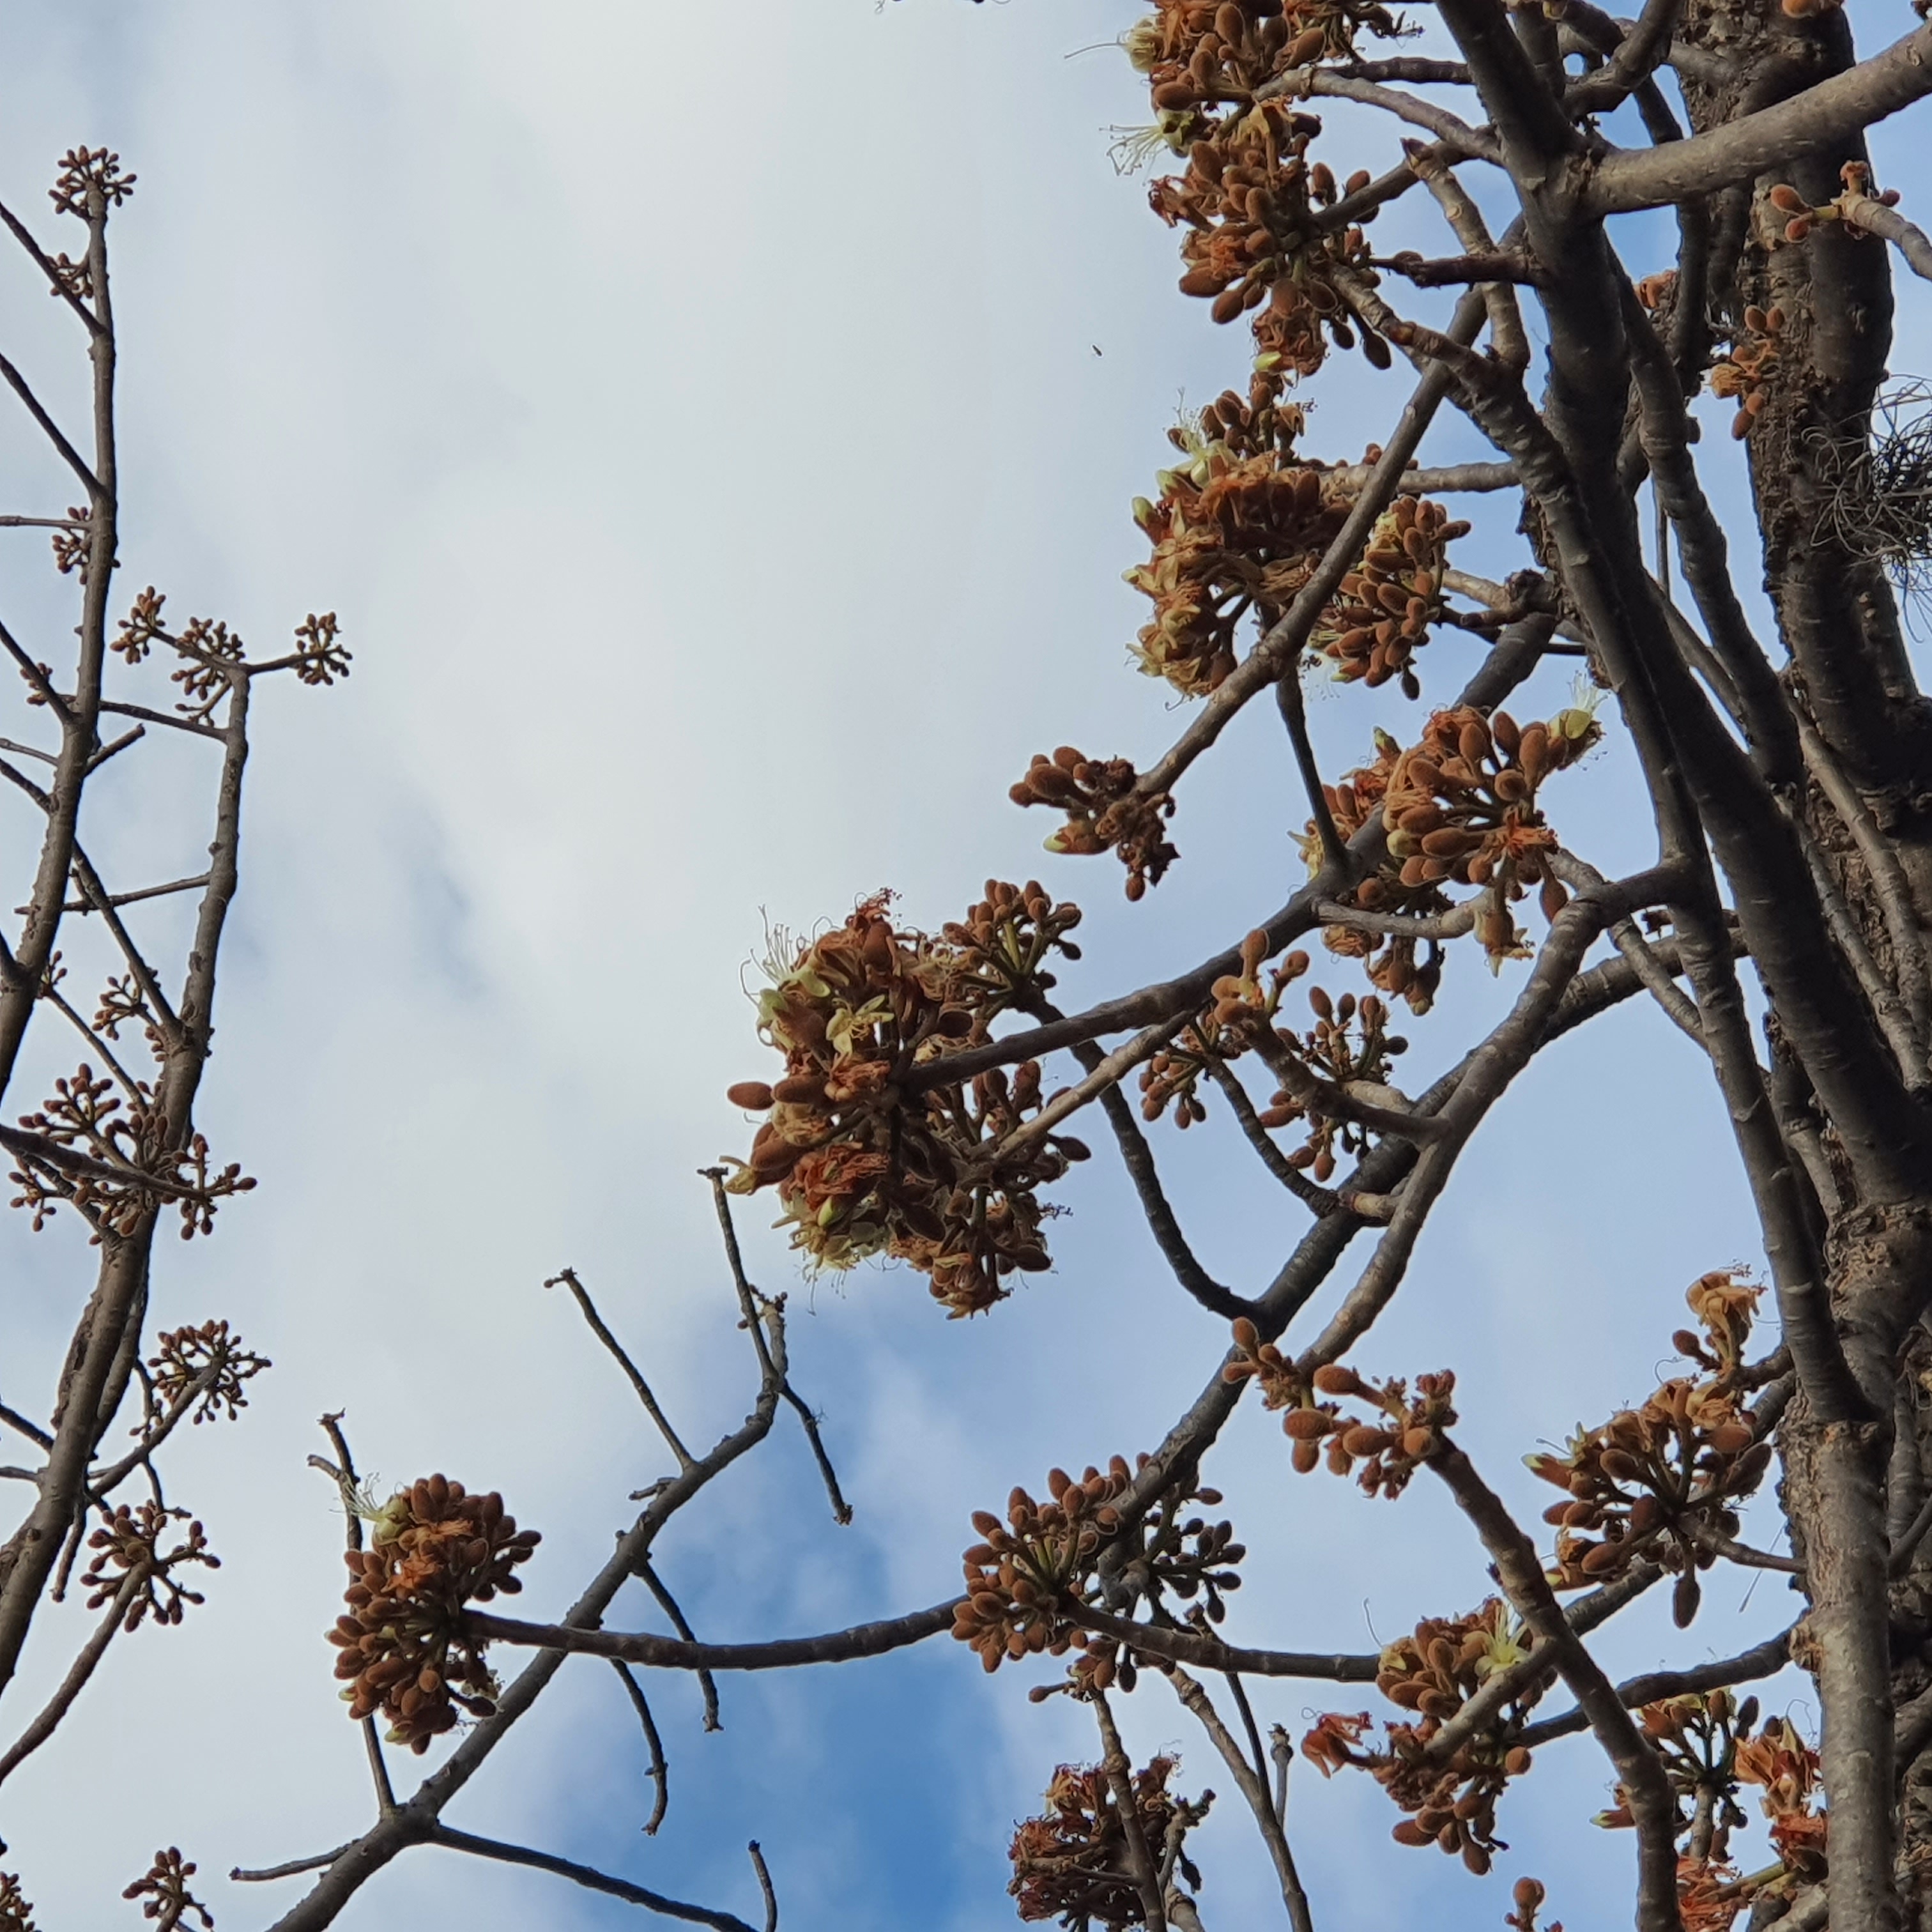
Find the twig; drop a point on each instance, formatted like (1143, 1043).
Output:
(33, 1432)
(660, 1770)
(1763, 1660)
(1120, 1780)
(345, 1481)
(1253, 1786)
(568, 1276)
(293, 1869)
(1317, 1199)
(665, 1653)
(44, 1726)
(842, 1510)
(765, 1886)
(587, 1876)
(71, 456)
(84, 906)
(1875, 217)
(1294, 715)
(648, 1575)
(1210, 1653)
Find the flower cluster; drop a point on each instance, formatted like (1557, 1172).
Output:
(1659, 1481)
(1745, 373)
(1381, 618)
(122, 1003)
(1710, 1894)
(1232, 534)
(1105, 811)
(72, 544)
(1408, 1432)
(1071, 1863)
(16, 1913)
(1459, 807)
(405, 1648)
(1196, 51)
(946, 1178)
(85, 1114)
(128, 1545)
(1706, 1743)
(1696, 1739)
(1404, 967)
(1254, 205)
(208, 1357)
(164, 1889)
(1027, 1575)
(1785, 1767)
(1450, 1797)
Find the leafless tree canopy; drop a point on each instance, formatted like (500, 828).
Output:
(920, 1089)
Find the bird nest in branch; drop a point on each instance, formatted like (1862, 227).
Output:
(1879, 502)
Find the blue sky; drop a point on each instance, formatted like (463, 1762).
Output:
(695, 420)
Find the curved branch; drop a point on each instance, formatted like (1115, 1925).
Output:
(1813, 122)
(668, 1653)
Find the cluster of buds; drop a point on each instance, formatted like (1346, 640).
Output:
(127, 1546)
(162, 1890)
(1745, 372)
(1006, 941)
(320, 658)
(1253, 205)
(1450, 1799)
(1242, 1003)
(1696, 1739)
(90, 182)
(1461, 808)
(1072, 1862)
(1106, 812)
(1026, 1578)
(1026, 1573)
(85, 1113)
(1408, 1430)
(16, 1912)
(205, 647)
(206, 1365)
(72, 542)
(405, 1649)
(1197, 53)
(122, 1003)
(1349, 1048)
(1403, 967)
(1659, 1481)
(1233, 535)
(207, 650)
(1382, 616)
(944, 1179)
